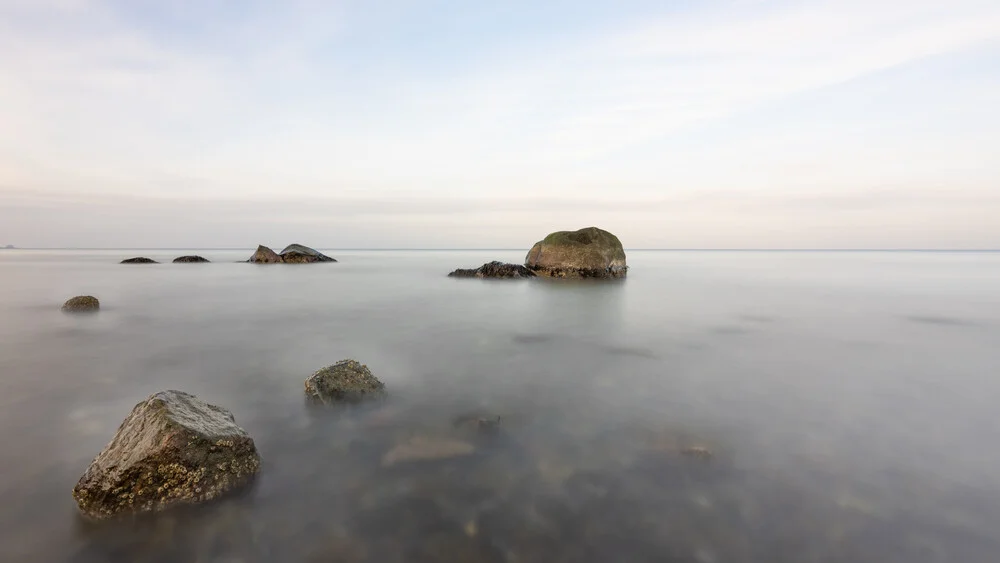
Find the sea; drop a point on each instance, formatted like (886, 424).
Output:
(712, 407)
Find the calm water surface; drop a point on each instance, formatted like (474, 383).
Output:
(848, 401)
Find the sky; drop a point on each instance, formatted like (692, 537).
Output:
(457, 124)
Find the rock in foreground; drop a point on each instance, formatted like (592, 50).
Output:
(190, 260)
(264, 255)
(82, 304)
(587, 253)
(298, 254)
(173, 448)
(139, 260)
(347, 381)
(495, 270)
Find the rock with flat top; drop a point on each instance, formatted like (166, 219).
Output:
(139, 260)
(586, 253)
(299, 254)
(190, 260)
(173, 448)
(345, 381)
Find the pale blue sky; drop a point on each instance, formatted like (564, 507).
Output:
(739, 123)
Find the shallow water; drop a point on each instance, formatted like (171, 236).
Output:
(847, 399)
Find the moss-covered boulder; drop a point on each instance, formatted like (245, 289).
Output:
(587, 253)
(139, 260)
(190, 260)
(82, 304)
(345, 381)
(299, 254)
(173, 448)
(264, 255)
(494, 270)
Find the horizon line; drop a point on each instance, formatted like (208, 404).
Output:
(417, 249)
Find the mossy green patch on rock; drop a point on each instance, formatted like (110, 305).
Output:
(586, 253)
(172, 448)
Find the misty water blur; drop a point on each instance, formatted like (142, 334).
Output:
(848, 400)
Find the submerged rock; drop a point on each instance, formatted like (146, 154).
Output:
(486, 424)
(264, 255)
(347, 380)
(173, 448)
(190, 260)
(82, 304)
(298, 254)
(139, 260)
(587, 253)
(495, 269)
(420, 448)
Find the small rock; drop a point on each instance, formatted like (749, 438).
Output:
(139, 260)
(190, 260)
(173, 448)
(421, 448)
(495, 270)
(82, 304)
(347, 381)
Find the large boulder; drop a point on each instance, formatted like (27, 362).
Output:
(190, 260)
(298, 254)
(494, 269)
(139, 260)
(587, 253)
(173, 448)
(347, 380)
(264, 255)
(82, 304)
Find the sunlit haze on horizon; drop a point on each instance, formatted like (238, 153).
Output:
(717, 124)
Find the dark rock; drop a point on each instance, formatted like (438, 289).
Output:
(264, 255)
(82, 304)
(139, 260)
(495, 269)
(172, 449)
(190, 260)
(346, 380)
(587, 253)
(298, 254)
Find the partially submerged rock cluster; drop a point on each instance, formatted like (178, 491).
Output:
(495, 269)
(292, 254)
(174, 448)
(586, 253)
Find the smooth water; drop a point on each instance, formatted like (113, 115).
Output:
(848, 400)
